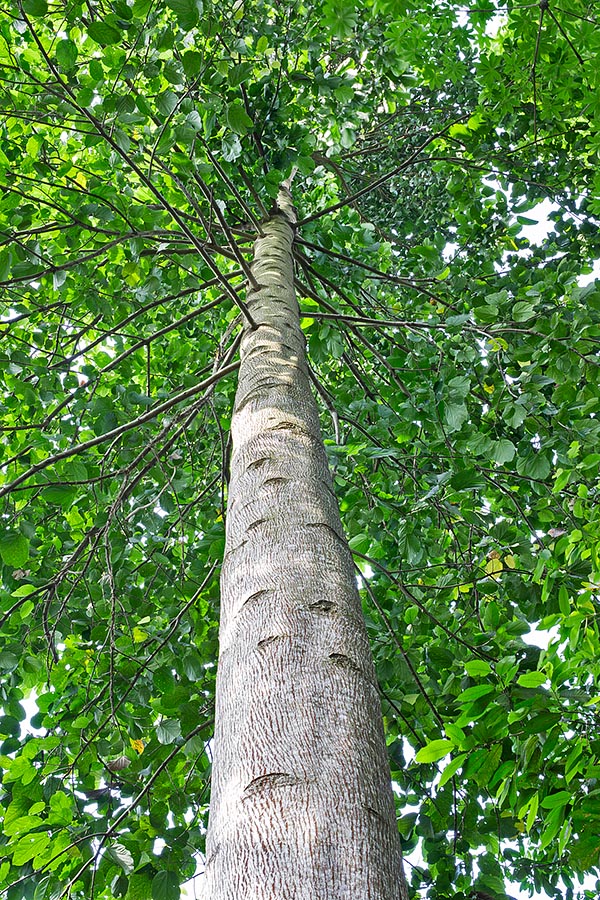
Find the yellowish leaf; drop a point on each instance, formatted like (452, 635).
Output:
(494, 567)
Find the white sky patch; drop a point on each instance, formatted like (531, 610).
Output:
(582, 280)
(31, 709)
(538, 233)
(492, 27)
(541, 638)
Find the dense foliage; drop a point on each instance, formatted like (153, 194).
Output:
(456, 362)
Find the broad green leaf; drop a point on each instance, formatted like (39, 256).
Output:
(14, 548)
(23, 825)
(561, 798)
(533, 464)
(477, 667)
(475, 692)
(104, 33)
(523, 311)
(434, 750)
(192, 62)
(451, 769)
(66, 53)
(62, 494)
(187, 12)
(8, 661)
(532, 679)
(35, 7)
(140, 886)
(30, 846)
(503, 451)
(238, 119)
(165, 886)
(168, 731)
(231, 147)
(455, 415)
(61, 808)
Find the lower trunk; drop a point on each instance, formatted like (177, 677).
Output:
(301, 807)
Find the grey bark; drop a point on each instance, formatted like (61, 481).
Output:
(301, 805)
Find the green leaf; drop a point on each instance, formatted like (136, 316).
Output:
(564, 601)
(192, 62)
(193, 667)
(165, 886)
(533, 464)
(23, 825)
(41, 888)
(104, 33)
(455, 415)
(30, 846)
(24, 590)
(532, 679)
(452, 768)
(434, 750)
(339, 18)
(477, 667)
(66, 53)
(347, 137)
(503, 451)
(238, 119)
(5, 260)
(61, 494)
(61, 806)
(14, 548)
(533, 808)
(475, 692)
(237, 75)
(561, 798)
(8, 661)
(168, 731)
(35, 7)
(187, 12)
(522, 311)
(542, 722)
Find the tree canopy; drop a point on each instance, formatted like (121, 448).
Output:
(456, 365)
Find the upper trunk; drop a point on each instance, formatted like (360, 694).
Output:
(302, 807)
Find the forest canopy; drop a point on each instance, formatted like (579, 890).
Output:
(455, 360)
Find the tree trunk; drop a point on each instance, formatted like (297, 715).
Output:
(302, 806)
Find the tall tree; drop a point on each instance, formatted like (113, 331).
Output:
(455, 365)
(298, 721)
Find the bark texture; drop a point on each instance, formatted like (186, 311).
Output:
(301, 806)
